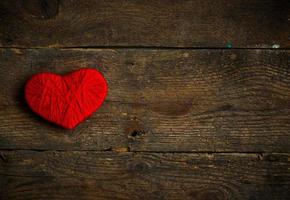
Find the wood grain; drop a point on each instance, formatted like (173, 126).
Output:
(190, 113)
(111, 175)
(159, 100)
(174, 23)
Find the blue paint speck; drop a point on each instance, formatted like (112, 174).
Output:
(229, 45)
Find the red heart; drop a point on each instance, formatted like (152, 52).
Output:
(66, 100)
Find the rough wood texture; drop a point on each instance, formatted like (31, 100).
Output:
(186, 117)
(206, 124)
(174, 23)
(159, 100)
(111, 175)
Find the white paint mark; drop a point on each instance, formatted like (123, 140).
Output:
(185, 55)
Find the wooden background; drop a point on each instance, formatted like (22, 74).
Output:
(198, 104)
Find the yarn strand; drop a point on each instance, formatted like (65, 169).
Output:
(66, 100)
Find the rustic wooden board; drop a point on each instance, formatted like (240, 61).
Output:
(186, 117)
(159, 100)
(175, 23)
(111, 175)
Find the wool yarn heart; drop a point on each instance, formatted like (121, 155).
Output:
(66, 100)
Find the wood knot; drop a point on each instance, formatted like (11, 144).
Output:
(42, 9)
(141, 167)
(135, 129)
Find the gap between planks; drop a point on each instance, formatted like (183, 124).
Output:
(128, 150)
(141, 47)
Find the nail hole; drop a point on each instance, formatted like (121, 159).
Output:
(137, 133)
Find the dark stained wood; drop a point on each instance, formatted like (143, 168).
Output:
(159, 100)
(111, 175)
(41, 9)
(186, 117)
(174, 23)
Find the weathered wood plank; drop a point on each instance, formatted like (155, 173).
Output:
(159, 100)
(175, 23)
(111, 175)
